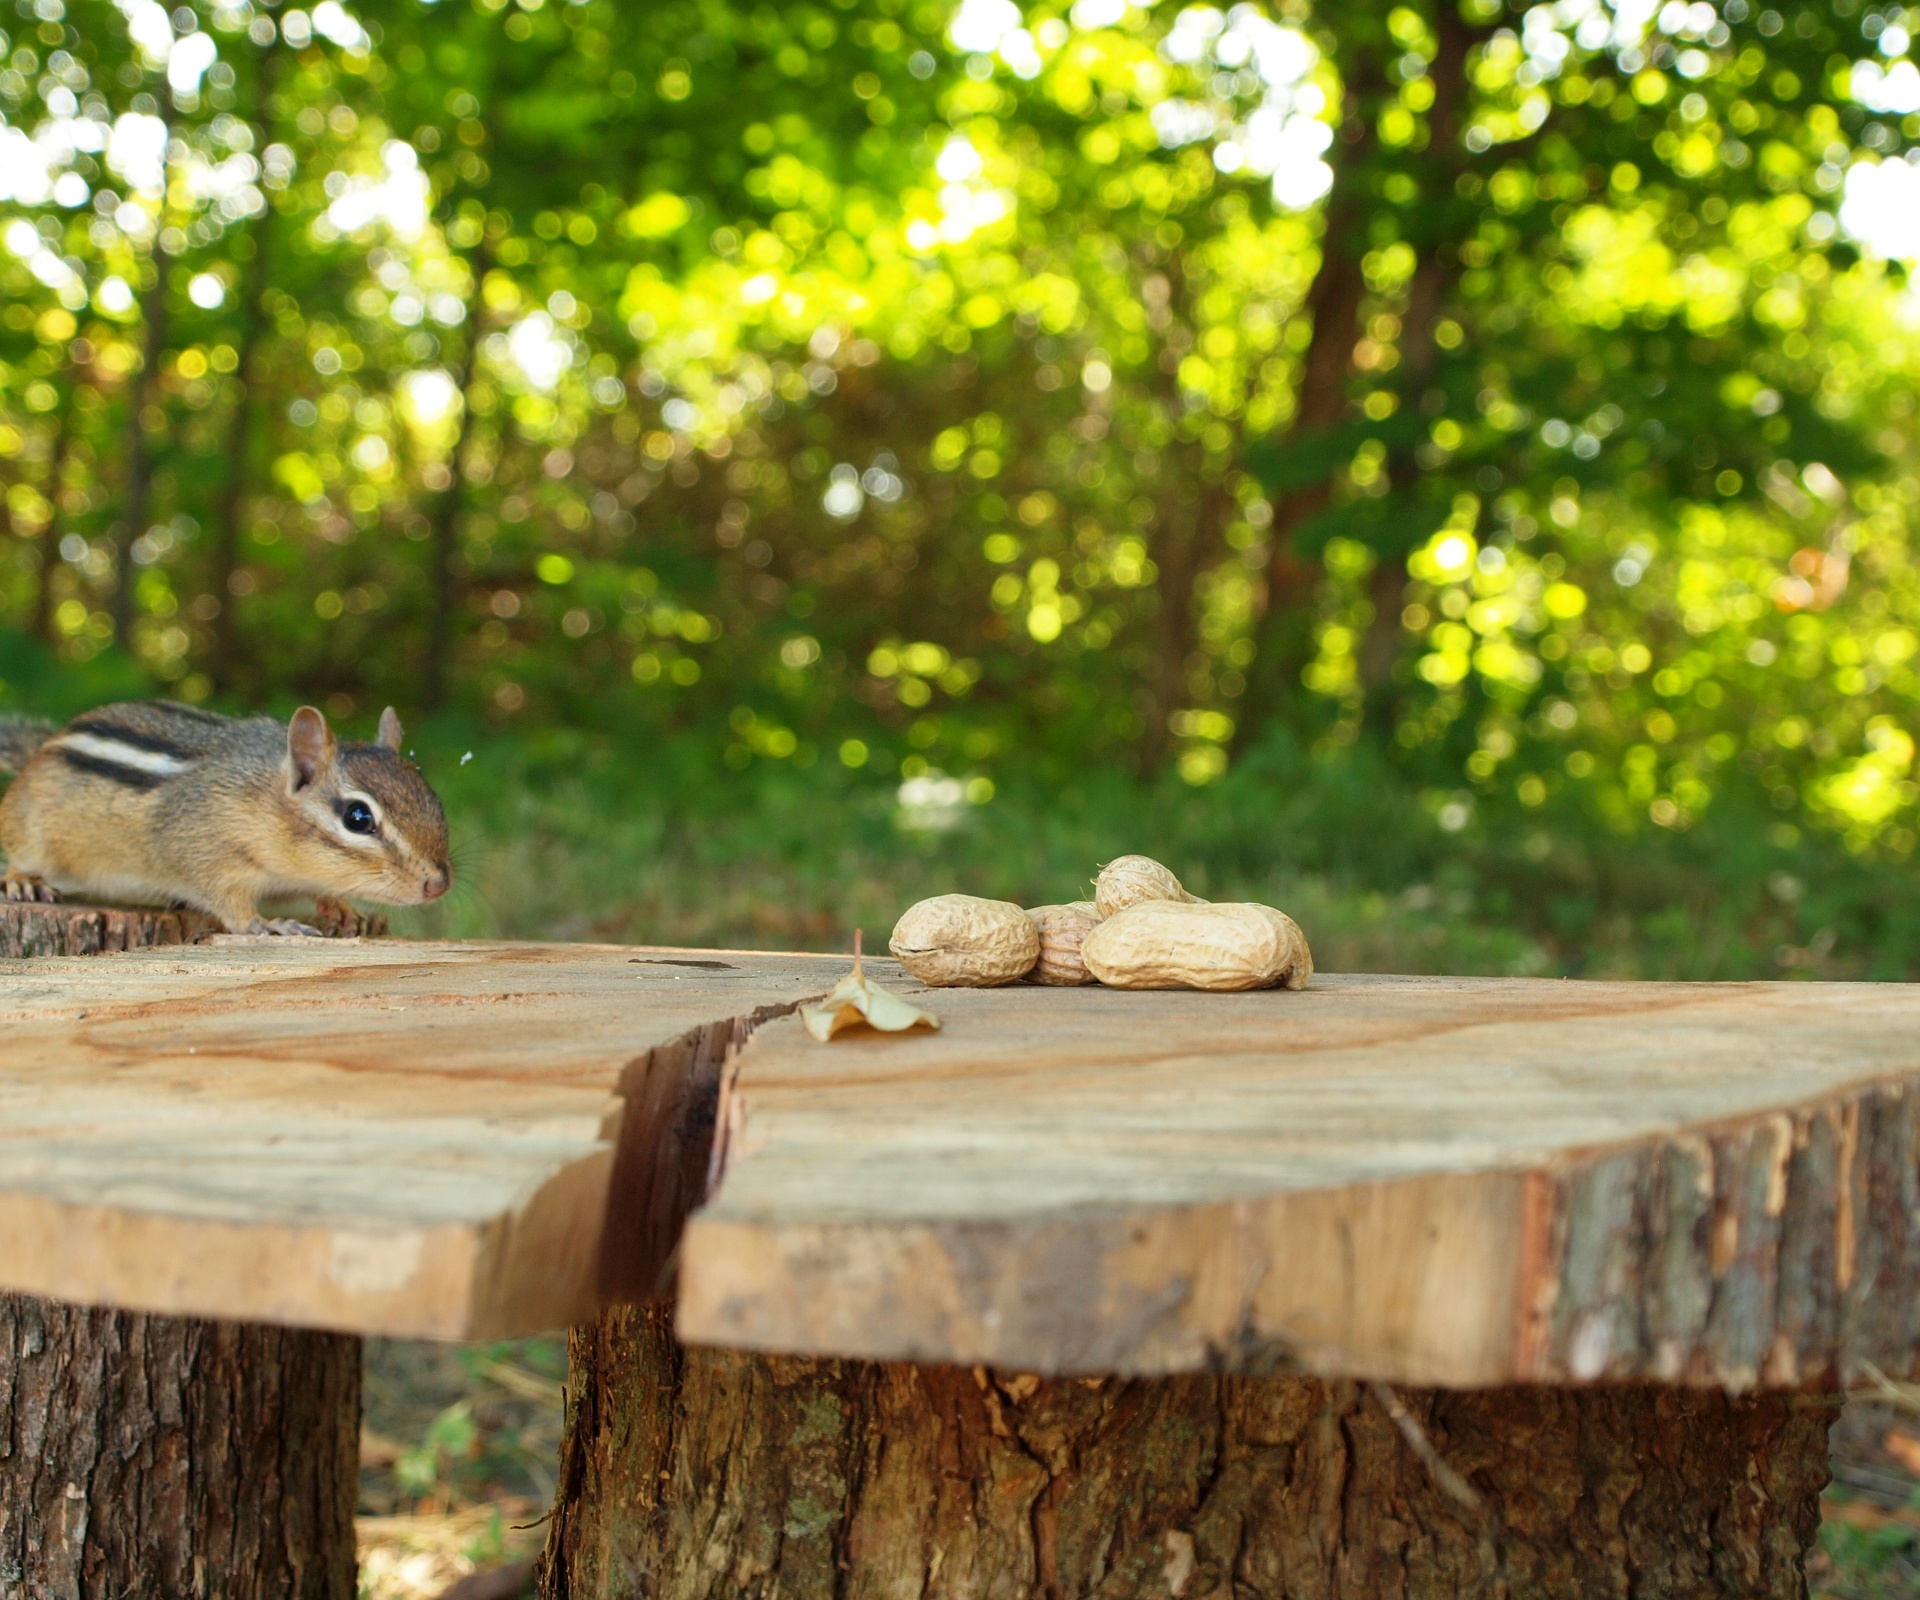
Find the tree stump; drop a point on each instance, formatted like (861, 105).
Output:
(69, 929)
(167, 1456)
(701, 1474)
(76, 930)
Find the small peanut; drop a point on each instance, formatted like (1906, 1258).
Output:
(1129, 880)
(1170, 944)
(958, 940)
(1062, 930)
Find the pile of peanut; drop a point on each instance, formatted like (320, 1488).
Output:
(1141, 930)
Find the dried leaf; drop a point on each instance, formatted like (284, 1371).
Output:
(856, 999)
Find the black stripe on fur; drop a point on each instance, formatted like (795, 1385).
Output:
(153, 744)
(126, 777)
(191, 713)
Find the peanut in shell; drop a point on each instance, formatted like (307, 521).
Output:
(1171, 944)
(1063, 929)
(1129, 880)
(961, 941)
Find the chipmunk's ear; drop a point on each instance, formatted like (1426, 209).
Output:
(309, 746)
(390, 734)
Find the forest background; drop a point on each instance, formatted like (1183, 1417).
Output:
(1446, 468)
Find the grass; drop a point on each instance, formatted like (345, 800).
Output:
(1866, 1552)
(632, 832)
(633, 838)
(458, 1449)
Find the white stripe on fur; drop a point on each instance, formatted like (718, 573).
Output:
(104, 747)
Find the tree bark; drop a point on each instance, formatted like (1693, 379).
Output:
(694, 1473)
(29, 929)
(163, 1457)
(68, 930)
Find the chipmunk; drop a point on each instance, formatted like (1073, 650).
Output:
(156, 801)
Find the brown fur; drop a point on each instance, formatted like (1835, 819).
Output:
(151, 801)
(19, 738)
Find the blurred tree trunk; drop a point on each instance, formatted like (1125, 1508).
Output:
(1281, 624)
(8, 532)
(145, 396)
(1190, 527)
(41, 619)
(1193, 520)
(230, 508)
(449, 510)
(1429, 295)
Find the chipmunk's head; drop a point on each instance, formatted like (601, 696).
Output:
(372, 826)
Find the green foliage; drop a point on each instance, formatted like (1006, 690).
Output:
(1864, 1563)
(34, 679)
(450, 1437)
(449, 1426)
(858, 393)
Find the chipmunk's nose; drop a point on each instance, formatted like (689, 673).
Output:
(437, 885)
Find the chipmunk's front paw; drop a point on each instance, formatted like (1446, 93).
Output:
(284, 927)
(24, 886)
(338, 920)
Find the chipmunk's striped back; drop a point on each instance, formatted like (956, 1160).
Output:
(143, 744)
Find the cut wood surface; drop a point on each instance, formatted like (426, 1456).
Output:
(1438, 1181)
(411, 1139)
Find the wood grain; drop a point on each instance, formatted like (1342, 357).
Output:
(418, 1140)
(1435, 1181)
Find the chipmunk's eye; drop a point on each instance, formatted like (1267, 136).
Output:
(357, 817)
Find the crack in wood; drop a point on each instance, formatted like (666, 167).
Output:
(669, 1154)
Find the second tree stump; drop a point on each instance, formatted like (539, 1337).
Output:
(705, 1474)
